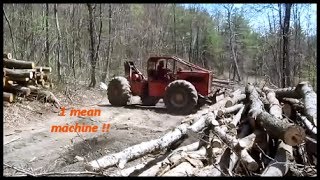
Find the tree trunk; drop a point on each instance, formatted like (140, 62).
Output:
(92, 46)
(47, 36)
(11, 33)
(286, 65)
(105, 73)
(59, 42)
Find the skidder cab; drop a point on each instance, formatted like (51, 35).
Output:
(181, 84)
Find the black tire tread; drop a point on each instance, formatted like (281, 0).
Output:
(124, 98)
(191, 90)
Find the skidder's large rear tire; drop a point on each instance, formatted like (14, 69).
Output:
(119, 92)
(180, 97)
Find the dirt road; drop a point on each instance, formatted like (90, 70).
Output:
(33, 148)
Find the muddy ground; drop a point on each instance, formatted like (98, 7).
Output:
(30, 146)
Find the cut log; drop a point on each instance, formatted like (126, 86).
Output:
(175, 160)
(280, 165)
(235, 93)
(183, 169)
(137, 150)
(154, 170)
(17, 64)
(47, 96)
(277, 128)
(44, 69)
(17, 73)
(8, 97)
(286, 92)
(311, 128)
(39, 75)
(287, 110)
(7, 55)
(309, 98)
(128, 171)
(275, 108)
(211, 170)
(248, 161)
(18, 90)
(38, 69)
(18, 80)
(290, 133)
(228, 110)
(235, 100)
(256, 105)
(236, 119)
(292, 101)
(222, 81)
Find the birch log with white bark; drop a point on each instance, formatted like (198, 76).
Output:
(275, 108)
(277, 128)
(138, 150)
(230, 109)
(309, 98)
(280, 165)
(232, 101)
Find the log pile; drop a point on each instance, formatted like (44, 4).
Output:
(24, 79)
(246, 134)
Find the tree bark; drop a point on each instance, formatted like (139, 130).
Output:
(309, 99)
(275, 108)
(138, 150)
(8, 97)
(11, 33)
(278, 128)
(228, 110)
(17, 90)
(17, 64)
(47, 36)
(280, 165)
(105, 73)
(11, 73)
(92, 46)
(286, 66)
(59, 42)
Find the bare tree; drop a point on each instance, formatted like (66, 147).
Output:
(92, 48)
(47, 35)
(59, 42)
(105, 73)
(10, 29)
(286, 70)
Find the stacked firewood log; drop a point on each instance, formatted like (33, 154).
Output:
(255, 132)
(24, 79)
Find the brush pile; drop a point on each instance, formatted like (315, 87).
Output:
(255, 132)
(22, 79)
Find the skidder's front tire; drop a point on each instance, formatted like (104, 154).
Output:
(180, 97)
(119, 91)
